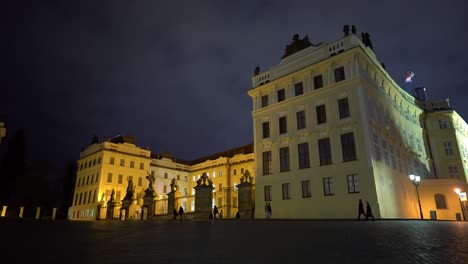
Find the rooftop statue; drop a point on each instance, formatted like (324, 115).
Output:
(257, 71)
(296, 45)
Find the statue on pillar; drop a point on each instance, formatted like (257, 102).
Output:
(174, 186)
(151, 179)
(297, 45)
(257, 71)
(353, 29)
(346, 30)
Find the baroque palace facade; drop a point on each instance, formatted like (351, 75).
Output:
(330, 127)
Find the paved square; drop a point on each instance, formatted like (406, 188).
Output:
(230, 241)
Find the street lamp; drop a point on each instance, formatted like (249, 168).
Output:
(415, 180)
(460, 195)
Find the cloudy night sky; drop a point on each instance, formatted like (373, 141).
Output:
(175, 74)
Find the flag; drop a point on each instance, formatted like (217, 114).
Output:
(409, 76)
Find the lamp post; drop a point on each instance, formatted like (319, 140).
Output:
(460, 194)
(415, 180)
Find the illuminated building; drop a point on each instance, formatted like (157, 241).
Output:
(105, 166)
(332, 127)
(2, 131)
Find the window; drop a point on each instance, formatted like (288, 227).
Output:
(185, 178)
(178, 177)
(111, 160)
(300, 118)
(109, 177)
(306, 189)
(235, 172)
(165, 189)
(283, 127)
(140, 181)
(318, 82)
(284, 159)
(165, 175)
(286, 191)
(321, 114)
(376, 147)
(117, 195)
(264, 100)
(266, 129)
(440, 201)
(339, 74)
(242, 171)
(122, 162)
(220, 186)
(220, 202)
(348, 147)
(267, 162)
(120, 179)
(298, 89)
(392, 156)
(343, 108)
(267, 189)
(353, 183)
(281, 95)
(418, 144)
(142, 166)
(132, 164)
(324, 151)
(453, 172)
(442, 124)
(99, 160)
(328, 186)
(130, 178)
(303, 153)
(185, 191)
(385, 152)
(448, 148)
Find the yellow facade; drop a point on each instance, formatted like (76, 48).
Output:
(381, 118)
(103, 167)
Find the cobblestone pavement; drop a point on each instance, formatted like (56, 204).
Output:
(229, 241)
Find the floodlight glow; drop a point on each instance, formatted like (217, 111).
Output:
(417, 178)
(411, 177)
(457, 190)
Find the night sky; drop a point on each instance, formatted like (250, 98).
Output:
(175, 74)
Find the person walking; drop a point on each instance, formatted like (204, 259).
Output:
(181, 212)
(215, 212)
(361, 210)
(268, 210)
(369, 212)
(174, 212)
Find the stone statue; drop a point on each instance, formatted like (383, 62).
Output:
(353, 29)
(204, 180)
(346, 30)
(173, 185)
(94, 140)
(112, 198)
(103, 197)
(297, 45)
(257, 71)
(130, 190)
(151, 179)
(246, 178)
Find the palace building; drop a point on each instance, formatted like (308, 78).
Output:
(330, 127)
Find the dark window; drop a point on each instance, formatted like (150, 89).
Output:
(298, 88)
(353, 183)
(318, 82)
(281, 95)
(120, 179)
(324, 151)
(321, 114)
(348, 147)
(440, 201)
(268, 193)
(328, 186)
(343, 108)
(306, 189)
(266, 162)
(286, 191)
(301, 122)
(283, 127)
(266, 129)
(303, 152)
(339, 74)
(284, 159)
(264, 100)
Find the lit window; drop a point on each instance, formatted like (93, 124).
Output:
(286, 191)
(306, 192)
(267, 190)
(328, 186)
(353, 183)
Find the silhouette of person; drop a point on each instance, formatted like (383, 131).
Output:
(215, 212)
(181, 212)
(269, 210)
(369, 212)
(361, 210)
(175, 214)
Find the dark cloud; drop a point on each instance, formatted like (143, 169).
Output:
(176, 73)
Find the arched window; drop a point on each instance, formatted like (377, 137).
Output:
(440, 201)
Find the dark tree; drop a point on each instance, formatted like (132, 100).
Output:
(346, 30)
(13, 180)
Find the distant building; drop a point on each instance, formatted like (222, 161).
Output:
(2, 130)
(108, 165)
